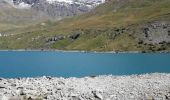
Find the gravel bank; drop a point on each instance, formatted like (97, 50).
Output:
(134, 87)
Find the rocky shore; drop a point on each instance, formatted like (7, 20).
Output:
(154, 86)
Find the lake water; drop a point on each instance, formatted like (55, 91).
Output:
(76, 64)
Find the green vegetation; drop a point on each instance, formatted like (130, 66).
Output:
(97, 28)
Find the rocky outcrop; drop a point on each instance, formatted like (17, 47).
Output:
(135, 87)
(51, 40)
(156, 32)
(55, 38)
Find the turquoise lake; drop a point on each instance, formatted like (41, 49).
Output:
(15, 64)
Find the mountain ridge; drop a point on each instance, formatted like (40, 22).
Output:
(59, 8)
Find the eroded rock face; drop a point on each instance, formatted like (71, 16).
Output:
(58, 9)
(55, 38)
(156, 32)
(134, 87)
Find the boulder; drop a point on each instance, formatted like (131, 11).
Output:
(97, 95)
(1, 87)
(146, 31)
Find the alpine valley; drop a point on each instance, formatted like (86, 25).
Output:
(92, 25)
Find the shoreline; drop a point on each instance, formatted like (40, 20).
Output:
(84, 51)
(105, 87)
(90, 76)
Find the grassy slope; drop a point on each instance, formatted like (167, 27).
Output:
(14, 20)
(95, 27)
(125, 13)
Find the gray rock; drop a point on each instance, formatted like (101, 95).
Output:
(2, 87)
(97, 95)
(156, 32)
(55, 38)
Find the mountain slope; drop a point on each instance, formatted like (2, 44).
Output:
(58, 9)
(13, 18)
(17, 14)
(118, 25)
(122, 12)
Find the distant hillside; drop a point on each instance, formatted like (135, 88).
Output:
(17, 14)
(12, 18)
(117, 25)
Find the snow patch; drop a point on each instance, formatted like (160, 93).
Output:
(78, 1)
(66, 1)
(23, 6)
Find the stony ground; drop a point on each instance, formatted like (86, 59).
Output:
(135, 87)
